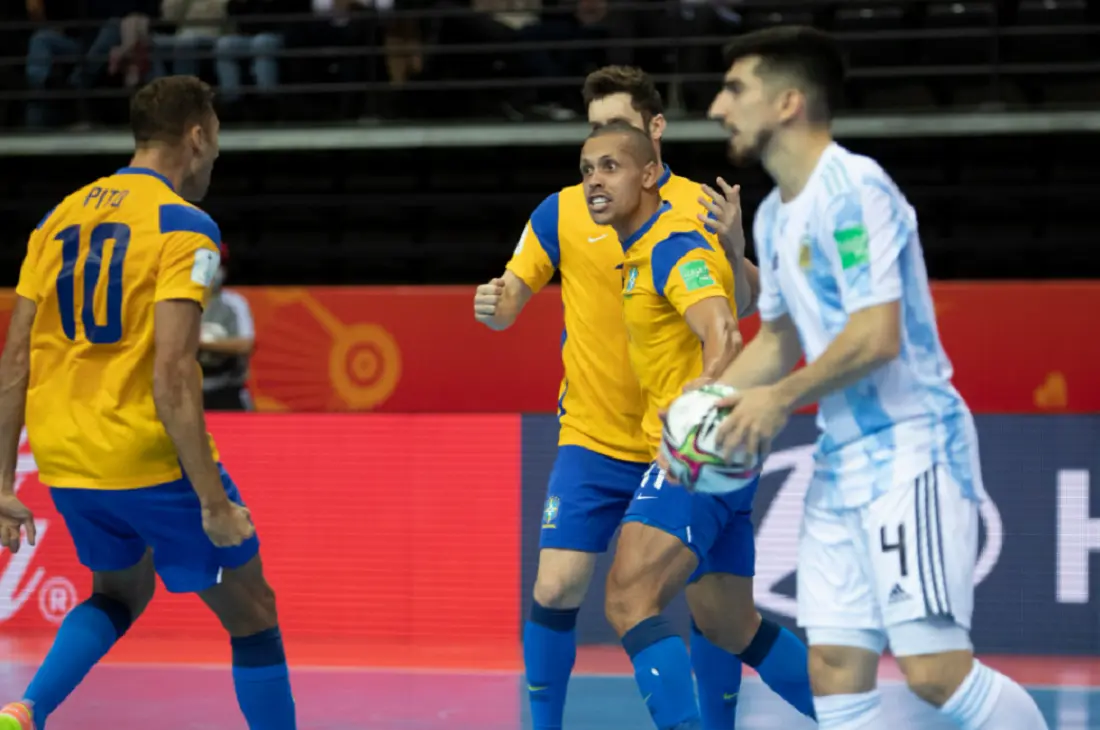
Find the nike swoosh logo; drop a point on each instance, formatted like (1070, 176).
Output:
(730, 697)
(535, 689)
(652, 496)
(597, 238)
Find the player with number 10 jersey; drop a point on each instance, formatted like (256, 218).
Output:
(97, 261)
(101, 362)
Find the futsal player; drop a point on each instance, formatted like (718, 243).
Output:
(678, 309)
(603, 454)
(101, 358)
(890, 533)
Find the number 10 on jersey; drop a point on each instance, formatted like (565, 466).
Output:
(110, 331)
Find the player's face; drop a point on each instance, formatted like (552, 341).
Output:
(746, 110)
(204, 151)
(613, 179)
(618, 108)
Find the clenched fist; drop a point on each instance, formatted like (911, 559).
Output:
(487, 300)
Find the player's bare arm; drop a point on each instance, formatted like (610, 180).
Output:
(15, 368)
(498, 303)
(714, 324)
(724, 218)
(177, 392)
(767, 358)
(871, 339)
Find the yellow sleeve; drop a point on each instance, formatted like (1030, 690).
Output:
(30, 279)
(687, 270)
(190, 256)
(30, 274)
(538, 253)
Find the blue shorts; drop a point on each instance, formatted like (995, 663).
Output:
(586, 499)
(112, 529)
(717, 528)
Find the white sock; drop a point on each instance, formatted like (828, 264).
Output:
(988, 700)
(849, 712)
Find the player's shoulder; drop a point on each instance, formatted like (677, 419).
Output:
(678, 189)
(176, 215)
(845, 173)
(547, 215)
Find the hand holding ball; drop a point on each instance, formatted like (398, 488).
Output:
(689, 445)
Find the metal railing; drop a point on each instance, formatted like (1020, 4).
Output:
(992, 53)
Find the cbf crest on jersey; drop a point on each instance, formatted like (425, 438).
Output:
(631, 280)
(550, 513)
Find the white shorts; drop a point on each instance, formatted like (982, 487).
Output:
(901, 568)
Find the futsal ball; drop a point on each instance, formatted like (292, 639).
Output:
(689, 446)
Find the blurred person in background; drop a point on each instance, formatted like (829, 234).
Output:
(347, 25)
(255, 42)
(199, 24)
(587, 22)
(225, 347)
(87, 48)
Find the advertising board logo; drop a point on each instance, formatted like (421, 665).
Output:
(23, 580)
(777, 534)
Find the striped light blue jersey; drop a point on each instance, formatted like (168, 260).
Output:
(849, 241)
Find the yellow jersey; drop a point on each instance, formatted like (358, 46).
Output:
(95, 266)
(670, 265)
(600, 405)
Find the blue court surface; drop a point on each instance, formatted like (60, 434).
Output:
(121, 697)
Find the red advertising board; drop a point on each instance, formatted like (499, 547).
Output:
(1016, 347)
(380, 529)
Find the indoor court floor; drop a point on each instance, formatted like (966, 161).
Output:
(399, 689)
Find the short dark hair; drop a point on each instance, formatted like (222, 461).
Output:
(166, 108)
(638, 142)
(812, 58)
(610, 80)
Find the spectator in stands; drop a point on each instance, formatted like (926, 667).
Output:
(86, 48)
(199, 24)
(337, 25)
(255, 41)
(131, 56)
(587, 22)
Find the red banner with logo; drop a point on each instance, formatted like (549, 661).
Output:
(383, 530)
(1016, 347)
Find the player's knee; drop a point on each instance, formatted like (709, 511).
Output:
(935, 677)
(563, 578)
(836, 670)
(559, 591)
(134, 588)
(252, 614)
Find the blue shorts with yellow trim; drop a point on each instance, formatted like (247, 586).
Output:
(112, 529)
(586, 499)
(717, 528)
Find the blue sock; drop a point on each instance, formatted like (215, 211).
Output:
(663, 672)
(85, 637)
(718, 676)
(780, 659)
(549, 652)
(262, 681)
